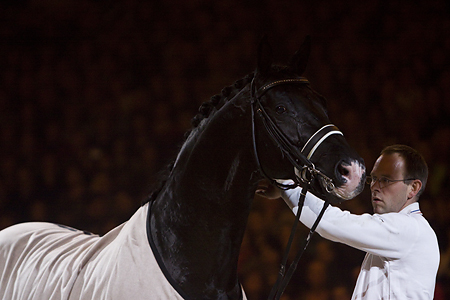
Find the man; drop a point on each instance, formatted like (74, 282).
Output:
(402, 250)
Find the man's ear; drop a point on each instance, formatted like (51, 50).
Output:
(414, 188)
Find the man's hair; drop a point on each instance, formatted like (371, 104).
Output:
(415, 165)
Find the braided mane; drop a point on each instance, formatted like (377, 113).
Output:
(217, 101)
(204, 111)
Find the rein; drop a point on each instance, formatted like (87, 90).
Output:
(304, 168)
(283, 277)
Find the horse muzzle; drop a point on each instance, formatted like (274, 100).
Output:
(352, 177)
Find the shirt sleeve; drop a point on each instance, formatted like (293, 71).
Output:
(389, 235)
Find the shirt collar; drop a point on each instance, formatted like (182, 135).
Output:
(413, 208)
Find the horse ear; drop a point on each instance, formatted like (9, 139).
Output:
(300, 59)
(264, 56)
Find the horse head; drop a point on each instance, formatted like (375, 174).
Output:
(291, 117)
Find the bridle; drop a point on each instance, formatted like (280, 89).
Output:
(300, 159)
(305, 171)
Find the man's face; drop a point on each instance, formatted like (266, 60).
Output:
(393, 197)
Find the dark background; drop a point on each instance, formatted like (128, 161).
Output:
(95, 97)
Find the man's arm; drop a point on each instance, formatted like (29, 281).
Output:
(389, 235)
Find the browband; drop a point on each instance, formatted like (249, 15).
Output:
(258, 94)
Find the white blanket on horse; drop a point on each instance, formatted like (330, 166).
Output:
(45, 261)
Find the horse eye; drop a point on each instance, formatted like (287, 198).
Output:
(280, 109)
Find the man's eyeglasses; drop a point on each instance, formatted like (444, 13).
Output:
(384, 182)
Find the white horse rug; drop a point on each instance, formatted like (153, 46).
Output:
(43, 261)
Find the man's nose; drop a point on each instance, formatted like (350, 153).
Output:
(375, 185)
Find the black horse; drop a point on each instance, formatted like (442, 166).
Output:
(198, 219)
(271, 124)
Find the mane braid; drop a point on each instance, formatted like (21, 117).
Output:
(217, 101)
(204, 111)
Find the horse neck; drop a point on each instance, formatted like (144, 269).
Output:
(199, 218)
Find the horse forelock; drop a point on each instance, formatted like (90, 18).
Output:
(277, 72)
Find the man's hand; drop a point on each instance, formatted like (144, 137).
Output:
(268, 190)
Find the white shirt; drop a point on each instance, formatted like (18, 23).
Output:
(402, 250)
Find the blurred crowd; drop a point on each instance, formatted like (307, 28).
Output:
(95, 97)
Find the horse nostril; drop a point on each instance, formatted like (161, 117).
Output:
(343, 170)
